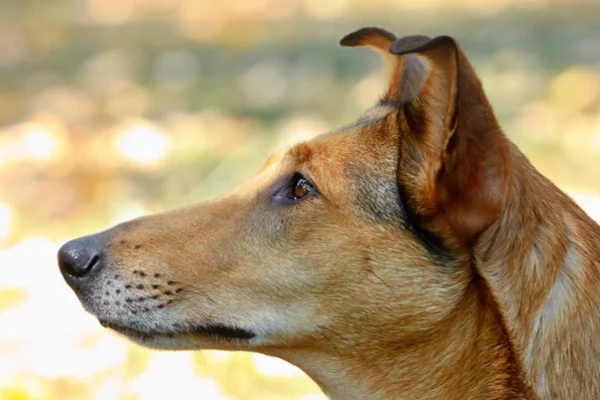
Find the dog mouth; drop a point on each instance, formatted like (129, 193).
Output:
(212, 330)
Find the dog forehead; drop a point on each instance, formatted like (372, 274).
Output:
(359, 139)
(330, 151)
(361, 142)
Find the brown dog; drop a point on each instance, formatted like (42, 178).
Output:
(414, 254)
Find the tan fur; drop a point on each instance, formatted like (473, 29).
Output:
(434, 263)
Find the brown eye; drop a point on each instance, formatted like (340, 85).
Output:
(302, 188)
(294, 189)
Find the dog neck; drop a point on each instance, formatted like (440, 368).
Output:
(542, 263)
(466, 357)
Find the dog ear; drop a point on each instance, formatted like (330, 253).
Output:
(403, 80)
(453, 155)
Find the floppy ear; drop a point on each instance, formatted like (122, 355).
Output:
(453, 156)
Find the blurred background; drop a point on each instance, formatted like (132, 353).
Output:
(110, 109)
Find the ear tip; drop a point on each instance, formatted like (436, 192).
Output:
(349, 40)
(360, 36)
(414, 43)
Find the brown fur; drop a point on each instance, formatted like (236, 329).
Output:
(434, 263)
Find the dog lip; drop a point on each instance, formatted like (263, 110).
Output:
(217, 331)
(223, 331)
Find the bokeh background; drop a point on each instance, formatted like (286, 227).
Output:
(110, 109)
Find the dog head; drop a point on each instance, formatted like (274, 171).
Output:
(364, 230)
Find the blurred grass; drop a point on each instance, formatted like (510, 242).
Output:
(113, 109)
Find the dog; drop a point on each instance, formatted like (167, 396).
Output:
(413, 254)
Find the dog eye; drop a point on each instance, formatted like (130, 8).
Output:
(302, 187)
(294, 189)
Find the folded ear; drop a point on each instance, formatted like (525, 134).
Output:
(453, 156)
(405, 73)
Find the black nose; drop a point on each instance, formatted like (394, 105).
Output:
(78, 257)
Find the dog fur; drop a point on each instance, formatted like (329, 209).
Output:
(413, 254)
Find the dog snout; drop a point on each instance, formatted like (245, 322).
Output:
(79, 258)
